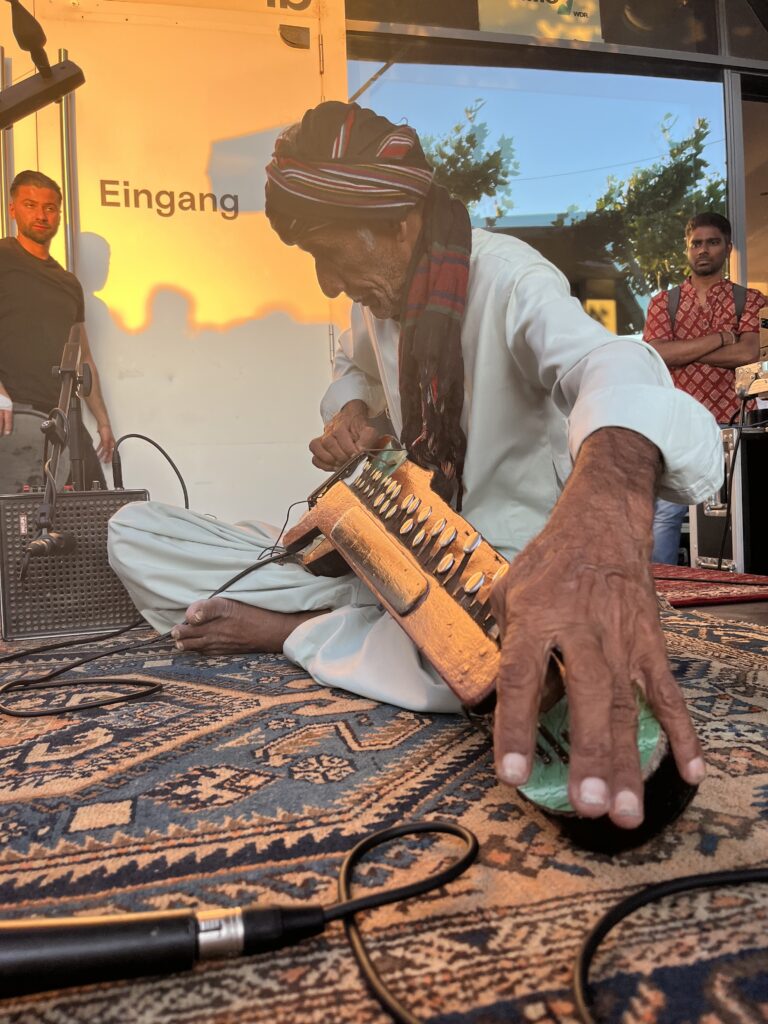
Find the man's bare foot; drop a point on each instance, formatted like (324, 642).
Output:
(221, 626)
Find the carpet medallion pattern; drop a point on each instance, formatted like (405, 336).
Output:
(245, 782)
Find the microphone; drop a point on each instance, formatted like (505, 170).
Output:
(36, 956)
(53, 544)
(30, 36)
(41, 62)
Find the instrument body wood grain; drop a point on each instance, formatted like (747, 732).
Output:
(403, 578)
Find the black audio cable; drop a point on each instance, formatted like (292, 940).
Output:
(40, 955)
(78, 641)
(140, 689)
(617, 913)
(117, 466)
(24, 684)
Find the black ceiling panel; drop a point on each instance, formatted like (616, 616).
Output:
(441, 13)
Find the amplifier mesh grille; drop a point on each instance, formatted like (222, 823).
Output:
(62, 594)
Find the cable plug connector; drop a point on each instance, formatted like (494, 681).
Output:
(241, 932)
(268, 928)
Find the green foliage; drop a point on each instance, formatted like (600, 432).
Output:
(641, 221)
(468, 169)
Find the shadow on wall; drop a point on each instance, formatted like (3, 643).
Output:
(92, 270)
(237, 165)
(217, 400)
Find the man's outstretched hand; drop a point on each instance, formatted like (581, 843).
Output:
(583, 586)
(346, 435)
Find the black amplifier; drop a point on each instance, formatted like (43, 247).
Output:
(62, 594)
(746, 543)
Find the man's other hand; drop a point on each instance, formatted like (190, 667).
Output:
(106, 443)
(346, 435)
(583, 587)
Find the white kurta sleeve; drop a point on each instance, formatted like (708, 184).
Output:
(355, 372)
(683, 430)
(598, 380)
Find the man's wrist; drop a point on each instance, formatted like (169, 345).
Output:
(355, 407)
(624, 456)
(614, 485)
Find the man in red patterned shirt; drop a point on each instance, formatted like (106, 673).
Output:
(706, 342)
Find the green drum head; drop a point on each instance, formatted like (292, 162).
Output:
(548, 784)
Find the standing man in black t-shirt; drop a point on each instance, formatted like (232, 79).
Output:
(39, 304)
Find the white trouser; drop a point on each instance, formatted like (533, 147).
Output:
(168, 557)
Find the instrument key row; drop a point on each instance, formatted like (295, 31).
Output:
(432, 542)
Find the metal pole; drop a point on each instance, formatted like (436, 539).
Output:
(734, 148)
(5, 220)
(67, 188)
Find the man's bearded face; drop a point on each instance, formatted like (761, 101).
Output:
(37, 212)
(707, 250)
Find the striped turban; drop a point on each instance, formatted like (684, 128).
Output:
(343, 164)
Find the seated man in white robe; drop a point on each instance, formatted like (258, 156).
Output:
(551, 435)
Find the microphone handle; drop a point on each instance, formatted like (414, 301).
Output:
(40, 955)
(53, 543)
(37, 956)
(41, 62)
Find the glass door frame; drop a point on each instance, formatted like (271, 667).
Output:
(430, 44)
(736, 163)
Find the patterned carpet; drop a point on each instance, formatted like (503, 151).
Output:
(243, 781)
(684, 586)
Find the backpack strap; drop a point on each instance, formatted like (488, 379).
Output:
(673, 301)
(739, 300)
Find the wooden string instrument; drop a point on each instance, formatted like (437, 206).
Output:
(433, 572)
